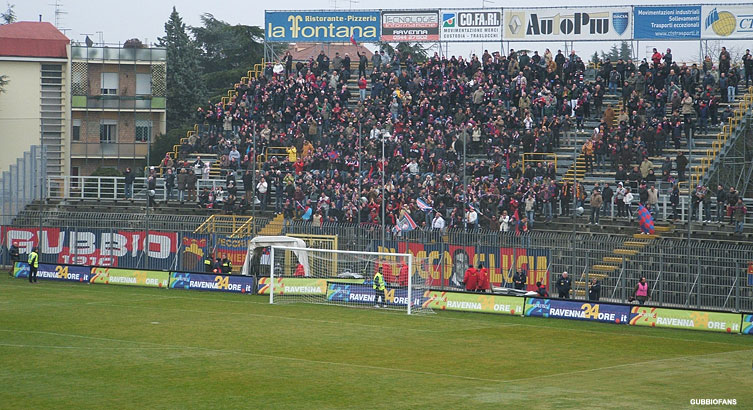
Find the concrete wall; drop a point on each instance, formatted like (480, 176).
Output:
(19, 110)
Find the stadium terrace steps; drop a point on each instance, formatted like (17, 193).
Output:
(274, 227)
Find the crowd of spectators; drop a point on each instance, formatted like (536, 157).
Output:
(428, 117)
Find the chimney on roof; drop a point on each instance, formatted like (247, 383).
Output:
(40, 18)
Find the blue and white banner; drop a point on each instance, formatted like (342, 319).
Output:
(69, 273)
(667, 22)
(470, 25)
(214, 283)
(352, 293)
(565, 309)
(721, 21)
(322, 26)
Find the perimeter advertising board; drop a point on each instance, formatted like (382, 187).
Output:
(471, 25)
(321, 26)
(365, 294)
(584, 23)
(685, 319)
(48, 271)
(473, 302)
(213, 283)
(410, 25)
(721, 21)
(130, 277)
(667, 22)
(578, 310)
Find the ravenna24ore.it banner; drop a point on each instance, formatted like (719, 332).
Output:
(321, 26)
(583, 23)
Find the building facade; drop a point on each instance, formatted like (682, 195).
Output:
(35, 103)
(117, 106)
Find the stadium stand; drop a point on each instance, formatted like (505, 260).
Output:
(533, 131)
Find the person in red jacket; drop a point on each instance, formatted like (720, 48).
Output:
(471, 279)
(402, 278)
(299, 271)
(483, 278)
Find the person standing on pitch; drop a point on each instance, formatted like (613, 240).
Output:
(379, 289)
(563, 286)
(33, 265)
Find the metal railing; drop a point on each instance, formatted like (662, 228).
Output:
(698, 274)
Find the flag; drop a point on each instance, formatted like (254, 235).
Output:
(89, 42)
(406, 224)
(422, 205)
(475, 209)
(353, 40)
(645, 220)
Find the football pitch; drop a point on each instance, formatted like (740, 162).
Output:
(65, 345)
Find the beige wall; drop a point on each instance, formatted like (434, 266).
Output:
(19, 110)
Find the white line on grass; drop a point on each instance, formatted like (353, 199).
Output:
(385, 368)
(88, 347)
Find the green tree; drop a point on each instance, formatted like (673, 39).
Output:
(9, 15)
(227, 52)
(626, 51)
(185, 88)
(163, 143)
(595, 57)
(420, 53)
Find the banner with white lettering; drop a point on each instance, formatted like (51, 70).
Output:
(578, 310)
(410, 25)
(214, 283)
(685, 319)
(582, 23)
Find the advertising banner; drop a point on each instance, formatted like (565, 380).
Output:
(299, 286)
(583, 23)
(747, 328)
(232, 248)
(722, 21)
(410, 25)
(470, 302)
(565, 309)
(214, 283)
(440, 264)
(93, 246)
(471, 25)
(667, 22)
(357, 293)
(130, 277)
(54, 272)
(685, 319)
(337, 26)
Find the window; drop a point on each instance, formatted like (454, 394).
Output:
(76, 132)
(143, 84)
(109, 83)
(143, 130)
(107, 131)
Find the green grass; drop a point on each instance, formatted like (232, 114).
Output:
(65, 345)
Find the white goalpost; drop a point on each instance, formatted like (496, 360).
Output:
(343, 278)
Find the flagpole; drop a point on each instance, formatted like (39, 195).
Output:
(384, 169)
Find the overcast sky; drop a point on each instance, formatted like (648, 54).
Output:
(121, 20)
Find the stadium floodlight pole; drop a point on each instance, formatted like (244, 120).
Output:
(384, 170)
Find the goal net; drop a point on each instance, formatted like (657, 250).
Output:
(307, 275)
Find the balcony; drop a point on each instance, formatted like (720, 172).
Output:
(123, 150)
(119, 54)
(116, 102)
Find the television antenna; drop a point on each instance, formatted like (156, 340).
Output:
(58, 12)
